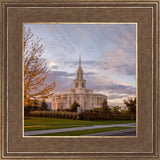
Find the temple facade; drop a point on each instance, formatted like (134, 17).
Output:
(85, 97)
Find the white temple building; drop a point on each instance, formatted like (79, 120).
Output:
(85, 97)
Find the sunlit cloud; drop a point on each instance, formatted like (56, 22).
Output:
(119, 61)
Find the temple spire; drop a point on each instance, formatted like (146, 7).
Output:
(79, 82)
(80, 60)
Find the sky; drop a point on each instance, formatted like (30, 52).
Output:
(108, 55)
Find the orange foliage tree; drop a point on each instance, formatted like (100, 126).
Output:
(35, 70)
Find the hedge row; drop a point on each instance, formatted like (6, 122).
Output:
(103, 116)
(52, 114)
(83, 116)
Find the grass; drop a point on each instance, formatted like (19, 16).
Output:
(45, 127)
(84, 132)
(39, 123)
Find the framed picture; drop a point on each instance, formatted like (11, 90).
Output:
(93, 55)
(96, 99)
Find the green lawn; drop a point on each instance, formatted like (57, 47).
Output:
(38, 123)
(84, 132)
(45, 127)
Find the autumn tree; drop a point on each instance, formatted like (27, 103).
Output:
(35, 70)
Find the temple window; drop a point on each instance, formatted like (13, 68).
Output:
(97, 101)
(76, 85)
(83, 85)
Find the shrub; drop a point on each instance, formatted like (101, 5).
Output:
(103, 116)
(27, 110)
(96, 109)
(53, 114)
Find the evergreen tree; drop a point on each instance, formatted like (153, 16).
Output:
(74, 106)
(35, 105)
(27, 110)
(116, 109)
(131, 105)
(105, 108)
(44, 106)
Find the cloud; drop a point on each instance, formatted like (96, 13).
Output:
(61, 74)
(124, 36)
(119, 61)
(84, 63)
(123, 83)
(88, 73)
(63, 79)
(55, 67)
(99, 83)
(115, 96)
(116, 91)
(115, 88)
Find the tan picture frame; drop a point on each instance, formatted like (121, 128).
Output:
(146, 143)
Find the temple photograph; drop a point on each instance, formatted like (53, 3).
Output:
(86, 98)
(80, 79)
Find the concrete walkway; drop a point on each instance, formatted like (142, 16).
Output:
(30, 133)
(124, 132)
